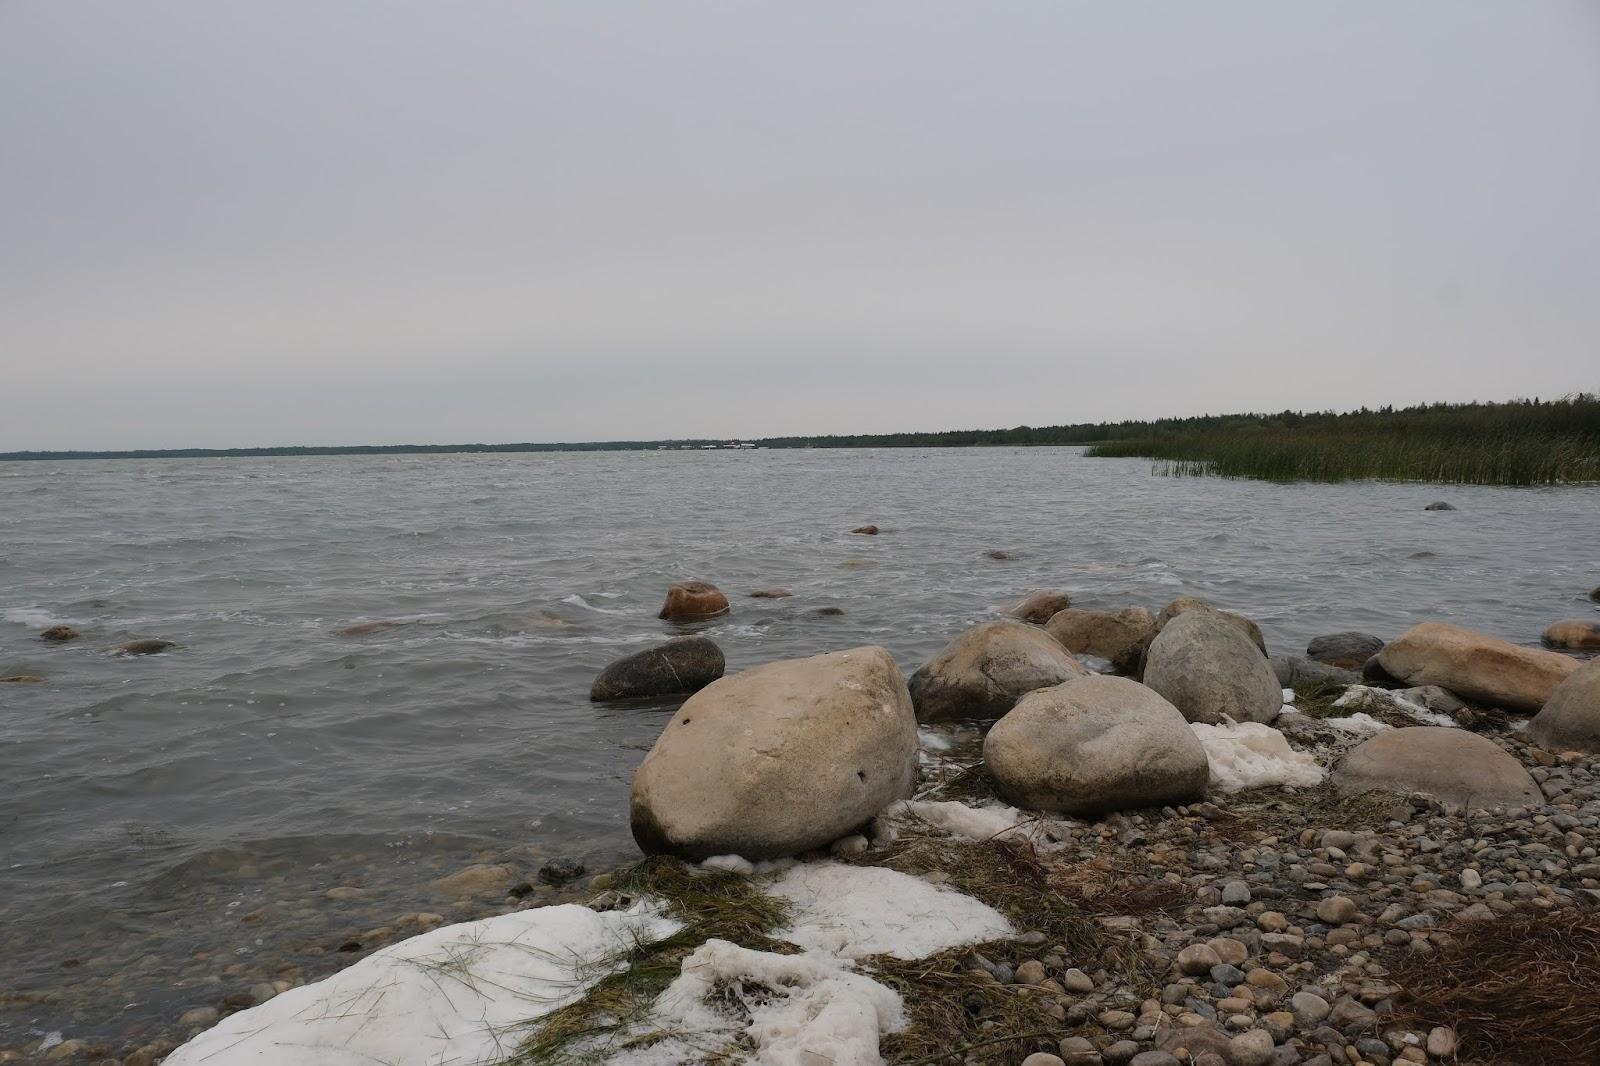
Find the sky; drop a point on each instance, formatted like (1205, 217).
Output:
(385, 221)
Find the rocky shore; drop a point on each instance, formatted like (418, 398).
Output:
(1071, 837)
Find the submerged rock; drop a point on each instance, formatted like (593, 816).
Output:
(779, 759)
(144, 647)
(829, 612)
(985, 670)
(866, 531)
(1206, 666)
(21, 679)
(690, 601)
(1344, 650)
(1118, 636)
(60, 634)
(364, 629)
(1449, 764)
(1578, 634)
(1475, 666)
(770, 594)
(479, 879)
(681, 665)
(1440, 505)
(1293, 670)
(1570, 720)
(1038, 607)
(1093, 745)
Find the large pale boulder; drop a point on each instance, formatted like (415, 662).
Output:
(1579, 634)
(1570, 720)
(690, 601)
(1346, 650)
(779, 759)
(1092, 745)
(1207, 667)
(1119, 636)
(1185, 604)
(1449, 764)
(1038, 607)
(1475, 666)
(984, 671)
(680, 665)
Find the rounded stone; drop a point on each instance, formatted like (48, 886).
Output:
(1038, 608)
(690, 601)
(1574, 634)
(1208, 669)
(1347, 650)
(1118, 636)
(1475, 666)
(985, 670)
(1450, 764)
(1570, 721)
(676, 667)
(1337, 910)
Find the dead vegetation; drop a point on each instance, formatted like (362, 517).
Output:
(1517, 990)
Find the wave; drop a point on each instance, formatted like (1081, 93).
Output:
(37, 617)
(578, 601)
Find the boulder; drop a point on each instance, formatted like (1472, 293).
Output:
(1344, 650)
(1578, 634)
(690, 601)
(681, 665)
(1570, 721)
(1093, 745)
(144, 647)
(1475, 666)
(479, 879)
(1440, 505)
(1038, 607)
(866, 531)
(1118, 636)
(778, 759)
(1450, 764)
(59, 634)
(1373, 673)
(1293, 670)
(1206, 666)
(984, 671)
(1184, 604)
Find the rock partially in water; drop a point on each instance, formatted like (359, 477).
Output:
(144, 647)
(998, 556)
(690, 601)
(1570, 720)
(1206, 666)
(1038, 607)
(1451, 765)
(366, 629)
(1118, 636)
(779, 759)
(1475, 666)
(829, 612)
(1295, 670)
(1594, 594)
(60, 634)
(481, 879)
(1345, 650)
(1577, 634)
(1440, 505)
(1093, 745)
(866, 531)
(678, 666)
(985, 670)
(561, 871)
(770, 594)
(21, 679)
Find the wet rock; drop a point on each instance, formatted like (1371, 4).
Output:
(1570, 721)
(1594, 594)
(998, 556)
(1440, 505)
(344, 893)
(691, 601)
(200, 1016)
(1346, 650)
(560, 871)
(679, 666)
(866, 531)
(1475, 666)
(983, 672)
(1092, 745)
(21, 679)
(1119, 636)
(829, 612)
(1208, 669)
(770, 594)
(1292, 670)
(1038, 607)
(144, 647)
(59, 634)
(478, 880)
(1449, 764)
(1575, 634)
(366, 629)
(779, 759)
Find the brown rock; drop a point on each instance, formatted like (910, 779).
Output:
(770, 594)
(144, 647)
(364, 629)
(866, 531)
(689, 601)
(58, 634)
(1447, 763)
(1115, 635)
(21, 679)
(1578, 634)
(1038, 607)
(1475, 666)
(480, 879)
(985, 670)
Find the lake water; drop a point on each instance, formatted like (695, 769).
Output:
(169, 824)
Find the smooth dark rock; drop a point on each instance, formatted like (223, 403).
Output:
(676, 667)
(1440, 505)
(866, 531)
(145, 647)
(829, 612)
(58, 634)
(1344, 650)
(1373, 673)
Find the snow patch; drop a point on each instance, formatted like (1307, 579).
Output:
(1249, 754)
(974, 823)
(1364, 696)
(856, 911)
(738, 864)
(1360, 723)
(461, 995)
(1288, 696)
(794, 1010)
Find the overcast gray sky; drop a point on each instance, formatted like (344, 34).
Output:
(225, 223)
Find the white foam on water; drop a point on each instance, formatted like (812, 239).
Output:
(932, 740)
(1249, 754)
(37, 617)
(578, 601)
(857, 911)
(958, 819)
(462, 995)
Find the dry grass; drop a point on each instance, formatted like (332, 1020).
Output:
(1517, 990)
(1272, 811)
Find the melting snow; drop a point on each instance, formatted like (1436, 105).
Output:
(975, 823)
(1360, 723)
(1363, 696)
(1248, 754)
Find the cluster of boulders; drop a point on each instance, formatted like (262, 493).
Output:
(64, 634)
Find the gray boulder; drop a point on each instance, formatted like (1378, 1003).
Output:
(1185, 604)
(1570, 720)
(1344, 650)
(1092, 745)
(1450, 764)
(1293, 670)
(778, 759)
(1208, 668)
(984, 671)
(679, 666)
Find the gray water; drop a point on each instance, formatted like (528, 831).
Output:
(149, 804)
